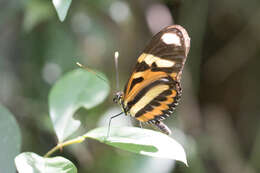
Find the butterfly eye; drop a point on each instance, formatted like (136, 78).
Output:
(115, 99)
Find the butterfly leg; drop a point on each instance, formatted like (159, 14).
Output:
(140, 124)
(108, 130)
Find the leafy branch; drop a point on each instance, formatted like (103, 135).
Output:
(77, 89)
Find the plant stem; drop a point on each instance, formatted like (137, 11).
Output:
(63, 144)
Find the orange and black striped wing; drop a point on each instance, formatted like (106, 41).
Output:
(156, 100)
(153, 89)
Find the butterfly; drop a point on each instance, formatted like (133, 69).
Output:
(153, 89)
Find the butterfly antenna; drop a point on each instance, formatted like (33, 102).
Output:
(91, 71)
(116, 66)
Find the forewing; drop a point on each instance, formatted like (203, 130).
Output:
(165, 53)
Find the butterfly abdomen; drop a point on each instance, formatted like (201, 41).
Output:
(161, 126)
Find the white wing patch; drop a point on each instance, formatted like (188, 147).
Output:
(149, 59)
(171, 38)
(164, 63)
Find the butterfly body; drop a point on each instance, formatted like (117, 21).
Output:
(153, 90)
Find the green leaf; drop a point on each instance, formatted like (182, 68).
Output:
(76, 89)
(62, 7)
(142, 141)
(32, 163)
(10, 140)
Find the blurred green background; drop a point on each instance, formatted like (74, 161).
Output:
(217, 120)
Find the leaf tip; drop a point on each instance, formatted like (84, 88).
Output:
(186, 162)
(62, 8)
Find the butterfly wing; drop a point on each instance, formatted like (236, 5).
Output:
(153, 89)
(168, 51)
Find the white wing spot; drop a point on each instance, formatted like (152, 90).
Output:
(150, 59)
(164, 63)
(171, 38)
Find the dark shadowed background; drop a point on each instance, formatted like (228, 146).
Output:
(217, 120)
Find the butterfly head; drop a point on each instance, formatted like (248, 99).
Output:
(118, 97)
